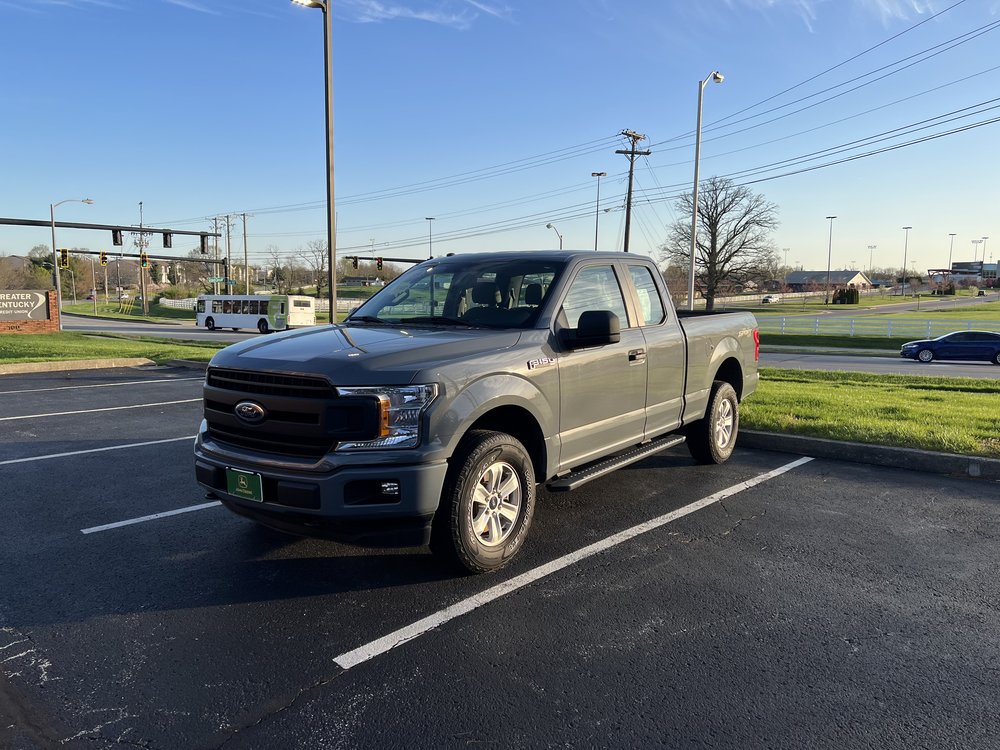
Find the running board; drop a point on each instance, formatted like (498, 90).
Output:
(581, 476)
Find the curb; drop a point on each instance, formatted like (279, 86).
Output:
(190, 364)
(948, 464)
(73, 364)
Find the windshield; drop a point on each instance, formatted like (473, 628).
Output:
(476, 292)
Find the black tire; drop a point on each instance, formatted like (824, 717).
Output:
(711, 440)
(262, 326)
(236, 329)
(487, 502)
(210, 324)
(925, 355)
(996, 358)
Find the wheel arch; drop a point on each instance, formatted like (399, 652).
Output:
(730, 371)
(520, 424)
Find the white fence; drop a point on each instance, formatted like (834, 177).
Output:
(178, 304)
(873, 326)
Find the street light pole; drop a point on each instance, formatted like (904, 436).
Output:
(430, 236)
(984, 248)
(597, 207)
(553, 228)
(906, 240)
(951, 247)
(331, 219)
(718, 78)
(829, 256)
(55, 260)
(871, 253)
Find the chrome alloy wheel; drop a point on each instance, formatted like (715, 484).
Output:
(723, 423)
(496, 504)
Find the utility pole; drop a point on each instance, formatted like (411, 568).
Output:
(142, 242)
(631, 154)
(229, 241)
(215, 268)
(246, 262)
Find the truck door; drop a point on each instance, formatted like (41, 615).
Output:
(666, 353)
(602, 389)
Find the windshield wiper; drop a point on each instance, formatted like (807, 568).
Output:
(367, 319)
(439, 320)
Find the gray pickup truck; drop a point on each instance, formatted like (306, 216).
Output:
(433, 412)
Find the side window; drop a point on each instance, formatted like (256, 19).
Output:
(594, 288)
(650, 304)
(253, 307)
(263, 307)
(201, 305)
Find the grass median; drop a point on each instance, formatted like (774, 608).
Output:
(949, 415)
(69, 345)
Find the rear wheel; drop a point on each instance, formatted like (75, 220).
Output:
(711, 440)
(487, 503)
(262, 326)
(925, 355)
(210, 324)
(996, 358)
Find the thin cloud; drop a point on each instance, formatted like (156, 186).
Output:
(454, 15)
(189, 5)
(808, 10)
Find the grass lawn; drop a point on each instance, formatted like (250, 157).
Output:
(950, 415)
(46, 347)
(123, 311)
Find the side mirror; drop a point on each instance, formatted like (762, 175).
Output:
(595, 328)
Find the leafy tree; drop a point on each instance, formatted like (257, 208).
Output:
(733, 241)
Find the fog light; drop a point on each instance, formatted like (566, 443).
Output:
(390, 488)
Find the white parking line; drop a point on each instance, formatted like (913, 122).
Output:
(153, 517)
(93, 450)
(91, 411)
(99, 385)
(417, 629)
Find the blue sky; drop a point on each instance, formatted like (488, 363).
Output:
(491, 116)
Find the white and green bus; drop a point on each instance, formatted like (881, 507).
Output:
(265, 312)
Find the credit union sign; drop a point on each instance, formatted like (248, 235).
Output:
(23, 305)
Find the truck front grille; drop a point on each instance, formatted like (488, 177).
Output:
(304, 415)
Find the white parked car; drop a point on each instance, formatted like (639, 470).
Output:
(770, 299)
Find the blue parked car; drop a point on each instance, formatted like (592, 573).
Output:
(978, 346)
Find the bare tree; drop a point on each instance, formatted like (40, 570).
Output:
(734, 236)
(315, 256)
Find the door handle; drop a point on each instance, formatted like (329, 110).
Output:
(637, 355)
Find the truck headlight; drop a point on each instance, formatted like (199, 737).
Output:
(399, 408)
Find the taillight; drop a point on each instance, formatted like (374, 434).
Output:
(756, 345)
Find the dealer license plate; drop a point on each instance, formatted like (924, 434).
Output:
(244, 484)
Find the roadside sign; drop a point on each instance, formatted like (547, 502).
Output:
(215, 279)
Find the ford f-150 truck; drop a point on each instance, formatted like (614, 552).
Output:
(433, 412)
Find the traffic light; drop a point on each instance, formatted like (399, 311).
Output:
(378, 263)
(168, 239)
(354, 261)
(143, 260)
(116, 237)
(203, 244)
(104, 257)
(63, 257)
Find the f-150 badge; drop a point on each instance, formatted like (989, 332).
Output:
(540, 362)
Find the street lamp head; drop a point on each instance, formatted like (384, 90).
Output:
(88, 201)
(907, 227)
(831, 217)
(549, 226)
(311, 3)
(598, 174)
(428, 218)
(717, 77)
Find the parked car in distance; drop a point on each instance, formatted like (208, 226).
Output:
(982, 293)
(123, 295)
(976, 346)
(770, 299)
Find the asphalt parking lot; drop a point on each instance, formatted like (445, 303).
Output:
(774, 601)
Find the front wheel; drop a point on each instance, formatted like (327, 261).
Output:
(996, 358)
(925, 355)
(262, 326)
(487, 503)
(210, 324)
(711, 440)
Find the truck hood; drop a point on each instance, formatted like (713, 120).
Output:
(359, 353)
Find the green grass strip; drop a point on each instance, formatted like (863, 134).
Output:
(951, 415)
(51, 347)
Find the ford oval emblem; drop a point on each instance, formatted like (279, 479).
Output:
(250, 412)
